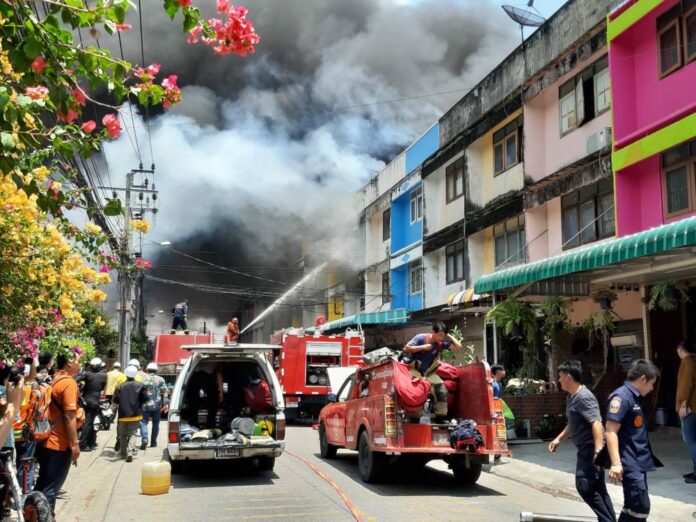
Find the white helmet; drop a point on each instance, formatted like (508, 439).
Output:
(131, 372)
(134, 362)
(152, 367)
(96, 362)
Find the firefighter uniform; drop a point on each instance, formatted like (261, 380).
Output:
(625, 407)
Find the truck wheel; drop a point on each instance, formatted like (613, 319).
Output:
(327, 451)
(370, 463)
(467, 476)
(265, 463)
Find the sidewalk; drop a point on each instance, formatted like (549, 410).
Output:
(672, 499)
(101, 480)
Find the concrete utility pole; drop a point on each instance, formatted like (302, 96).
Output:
(125, 257)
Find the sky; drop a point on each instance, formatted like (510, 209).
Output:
(261, 161)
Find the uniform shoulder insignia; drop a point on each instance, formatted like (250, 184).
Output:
(615, 404)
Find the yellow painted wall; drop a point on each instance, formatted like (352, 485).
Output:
(492, 186)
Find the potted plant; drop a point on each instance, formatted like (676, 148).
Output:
(666, 295)
(600, 327)
(605, 298)
(517, 319)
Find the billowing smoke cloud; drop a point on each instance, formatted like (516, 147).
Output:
(270, 150)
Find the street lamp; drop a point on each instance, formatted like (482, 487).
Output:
(165, 244)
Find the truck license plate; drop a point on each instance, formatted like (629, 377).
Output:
(227, 453)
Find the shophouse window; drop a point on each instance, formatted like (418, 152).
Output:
(510, 246)
(588, 214)
(416, 205)
(454, 179)
(678, 179)
(507, 146)
(386, 224)
(585, 97)
(676, 37)
(454, 260)
(386, 292)
(415, 277)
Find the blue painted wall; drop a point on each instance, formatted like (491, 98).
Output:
(422, 148)
(398, 287)
(403, 233)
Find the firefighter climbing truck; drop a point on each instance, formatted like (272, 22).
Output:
(302, 361)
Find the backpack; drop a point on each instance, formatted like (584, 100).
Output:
(37, 426)
(467, 434)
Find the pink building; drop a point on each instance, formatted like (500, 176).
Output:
(652, 64)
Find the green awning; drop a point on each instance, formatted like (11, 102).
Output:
(649, 242)
(388, 317)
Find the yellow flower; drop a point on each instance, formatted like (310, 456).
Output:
(140, 225)
(41, 173)
(103, 278)
(99, 321)
(92, 228)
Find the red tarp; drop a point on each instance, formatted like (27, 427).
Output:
(168, 347)
(412, 391)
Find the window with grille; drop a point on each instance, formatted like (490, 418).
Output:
(454, 179)
(678, 180)
(588, 214)
(510, 242)
(415, 277)
(507, 146)
(585, 97)
(454, 261)
(416, 209)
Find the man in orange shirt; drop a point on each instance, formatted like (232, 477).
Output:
(233, 330)
(62, 446)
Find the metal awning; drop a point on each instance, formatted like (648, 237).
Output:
(627, 252)
(463, 297)
(388, 317)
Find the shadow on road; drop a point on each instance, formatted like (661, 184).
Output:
(404, 480)
(222, 474)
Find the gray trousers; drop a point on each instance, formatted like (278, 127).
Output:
(125, 432)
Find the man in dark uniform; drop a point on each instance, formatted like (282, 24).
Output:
(627, 440)
(180, 313)
(585, 429)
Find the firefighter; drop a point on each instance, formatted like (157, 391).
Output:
(233, 330)
(424, 352)
(180, 313)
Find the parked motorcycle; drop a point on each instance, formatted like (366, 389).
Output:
(29, 507)
(105, 416)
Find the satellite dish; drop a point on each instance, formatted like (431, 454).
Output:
(523, 17)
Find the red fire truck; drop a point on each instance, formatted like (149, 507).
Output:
(368, 414)
(301, 363)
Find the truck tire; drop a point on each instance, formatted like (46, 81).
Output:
(467, 476)
(265, 463)
(326, 450)
(370, 463)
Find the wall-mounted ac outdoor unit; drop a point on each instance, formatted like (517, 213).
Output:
(626, 340)
(599, 140)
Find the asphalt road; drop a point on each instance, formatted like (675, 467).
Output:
(104, 488)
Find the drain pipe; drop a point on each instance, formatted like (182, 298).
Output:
(527, 516)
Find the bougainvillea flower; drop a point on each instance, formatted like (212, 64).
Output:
(79, 96)
(36, 93)
(39, 64)
(123, 27)
(68, 117)
(185, 3)
(89, 126)
(113, 126)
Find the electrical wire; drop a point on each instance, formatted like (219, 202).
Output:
(130, 107)
(147, 107)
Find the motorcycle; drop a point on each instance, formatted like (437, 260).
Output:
(105, 416)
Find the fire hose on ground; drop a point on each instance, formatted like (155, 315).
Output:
(527, 516)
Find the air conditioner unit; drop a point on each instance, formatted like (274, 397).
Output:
(599, 140)
(626, 340)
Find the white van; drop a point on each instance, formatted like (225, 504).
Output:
(209, 395)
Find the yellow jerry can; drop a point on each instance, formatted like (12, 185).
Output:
(156, 478)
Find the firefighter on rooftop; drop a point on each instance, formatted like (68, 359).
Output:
(180, 313)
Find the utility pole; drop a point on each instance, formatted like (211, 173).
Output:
(125, 256)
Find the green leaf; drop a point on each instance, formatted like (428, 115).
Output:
(171, 7)
(74, 3)
(143, 97)
(24, 100)
(7, 140)
(110, 27)
(190, 19)
(10, 114)
(31, 47)
(113, 208)
(4, 98)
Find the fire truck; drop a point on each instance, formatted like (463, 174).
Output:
(302, 361)
(170, 356)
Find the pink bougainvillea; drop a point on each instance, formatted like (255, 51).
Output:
(113, 126)
(235, 35)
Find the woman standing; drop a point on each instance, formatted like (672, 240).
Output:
(686, 401)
